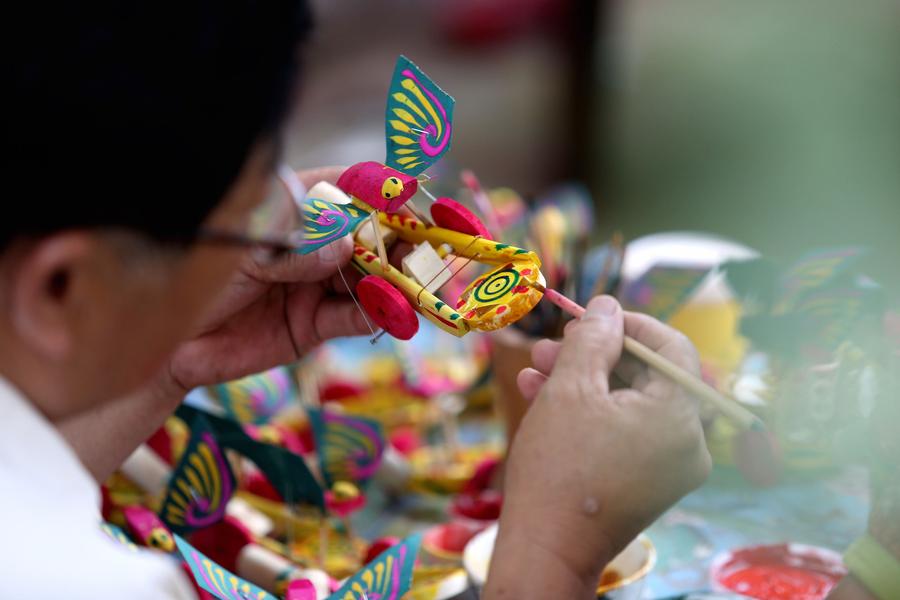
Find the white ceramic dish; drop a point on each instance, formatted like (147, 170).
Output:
(632, 564)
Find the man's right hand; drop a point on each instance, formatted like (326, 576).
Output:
(594, 464)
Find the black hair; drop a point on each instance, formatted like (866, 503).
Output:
(139, 114)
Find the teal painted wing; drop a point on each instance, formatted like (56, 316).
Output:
(388, 577)
(256, 398)
(286, 471)
(116, 533)
(325, 222)
(814, 271)
(418, 120)
(217, 580)
(201, 484)
(662, 290)
(349, 448)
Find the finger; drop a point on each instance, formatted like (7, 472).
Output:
(310, 177)
(630, 368)
(530, 382)
(663, 339)
(306, 268)
(339, 317)
(344, 282)
(592, 346)
(544, 354)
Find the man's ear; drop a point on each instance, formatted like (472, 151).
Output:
(47, 289)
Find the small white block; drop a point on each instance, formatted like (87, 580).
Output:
(366, 237)
(425, 266)
(327, 192)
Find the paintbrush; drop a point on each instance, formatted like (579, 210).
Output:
(693, 384)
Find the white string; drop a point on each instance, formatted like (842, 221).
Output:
(355, 301)
(427, 193)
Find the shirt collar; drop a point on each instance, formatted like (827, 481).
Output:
(36, 456)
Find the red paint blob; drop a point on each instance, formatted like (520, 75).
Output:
(379, 546)
(449, 537)
(501, 309)
(450, 214)
(780, 572)
(480, 506)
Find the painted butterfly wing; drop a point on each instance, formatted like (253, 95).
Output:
(388, 577)
(834, 313)
(325, 222)
(118, 534)
(257, 398)
(349, 448)
(286, 471)
(663, 289)
(201, 484)
(418, 120)
(814, 271)
(217, 580)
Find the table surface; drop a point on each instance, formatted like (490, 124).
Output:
(726, 513)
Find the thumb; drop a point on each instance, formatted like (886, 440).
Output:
(593, 345)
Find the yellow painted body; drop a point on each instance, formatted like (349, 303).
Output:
(474, 313)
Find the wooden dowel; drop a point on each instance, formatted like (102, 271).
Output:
(727, 405)
(379, 241)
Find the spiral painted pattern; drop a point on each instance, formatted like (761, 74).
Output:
(497, 285)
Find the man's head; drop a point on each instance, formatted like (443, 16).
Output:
(131, 126)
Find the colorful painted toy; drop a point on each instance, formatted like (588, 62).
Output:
(418, 130)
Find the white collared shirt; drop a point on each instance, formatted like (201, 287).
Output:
(51, 544)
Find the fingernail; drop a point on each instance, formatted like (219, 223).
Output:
(602, 306)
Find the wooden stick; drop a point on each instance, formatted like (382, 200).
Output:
(323, 544)
(379, 241)
(693, 384)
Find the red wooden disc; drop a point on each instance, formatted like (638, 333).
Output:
(450, 214)
(387, 307)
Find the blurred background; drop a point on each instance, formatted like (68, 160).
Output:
(775, 124)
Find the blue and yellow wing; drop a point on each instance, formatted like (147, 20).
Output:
(256, 398)
(215, 579)
(814, 271)
(286, 471)
(349, 448)
(116, 533)
(388, 577)
(418, 120)
(201, 484)
(325, 222)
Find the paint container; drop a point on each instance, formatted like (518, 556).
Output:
(778, 571)
(444, 544)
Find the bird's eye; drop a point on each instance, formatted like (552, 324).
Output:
(394, 180)
(387, 194)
